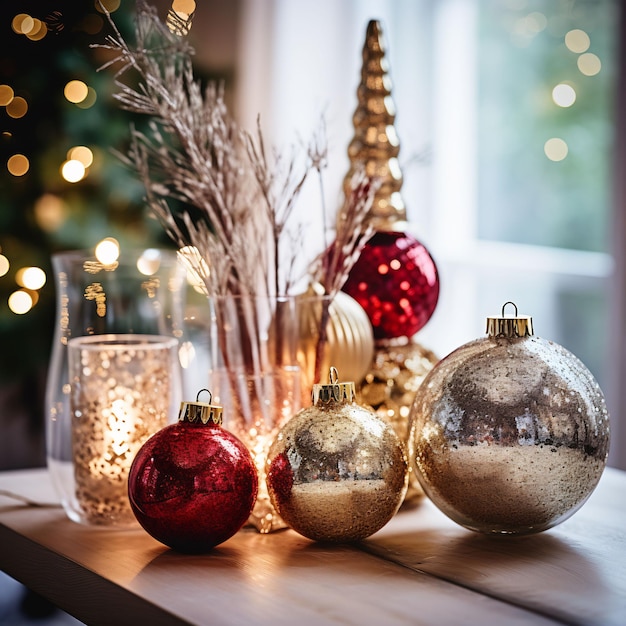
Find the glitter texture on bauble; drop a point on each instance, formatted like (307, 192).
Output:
(396, 281)
(510, 432)
(193, 484)
(336, 472)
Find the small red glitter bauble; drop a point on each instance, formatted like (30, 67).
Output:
(397, 283)
(192, 486)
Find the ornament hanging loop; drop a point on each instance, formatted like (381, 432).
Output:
(512, 304)
(208, 391)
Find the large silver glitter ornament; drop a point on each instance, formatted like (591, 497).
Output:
(336, 472)
(510, 432)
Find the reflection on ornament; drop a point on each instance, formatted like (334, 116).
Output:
(349, 341)
(193, 484)
(396, 281)
(336, 472)
(511, 431)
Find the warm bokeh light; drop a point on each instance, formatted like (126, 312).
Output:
(17, 108)
(50, 212)
(184, 6)
(38, 31)
(92, 24)
(20, 302)
(82, 154)
(564, 95)
(108, 251)
(149, 262)
(89, 100)
(73, 171)
(179, 16)
(577, 40)
(75, 91)
(555, 149)
(589, 64)
(4, 265)
(18, 165)
(109, 5)
(6, 95)
(30, 277)
(22, 23)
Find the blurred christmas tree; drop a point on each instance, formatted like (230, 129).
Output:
(53, 101)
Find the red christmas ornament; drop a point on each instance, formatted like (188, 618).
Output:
(396, 281)
(193, 485)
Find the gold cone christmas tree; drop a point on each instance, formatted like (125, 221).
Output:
(375, 145)
(395, 279)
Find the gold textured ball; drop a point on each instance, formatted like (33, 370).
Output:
(349, 344)
(511, 435)
(389, 388)
(336, 472)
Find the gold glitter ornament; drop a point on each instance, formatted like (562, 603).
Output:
(510, 431)
(336, 472)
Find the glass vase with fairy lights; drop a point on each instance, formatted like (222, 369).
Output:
(266, 356)
(123, 318)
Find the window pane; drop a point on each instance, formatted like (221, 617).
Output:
(547, 71)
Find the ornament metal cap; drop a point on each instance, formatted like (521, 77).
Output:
(197, 411)
(510, 326)
(339, 392)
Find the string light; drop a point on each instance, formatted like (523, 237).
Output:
(108, 251)
(32, 278)
(109, 5)
(31, 27)
(564, 95)
(589, 64)
(555, 149)
(4, 265)
(20, 302)
(73, 171)
(75, 91)
(6, 95)
(18, 165)
(149, 262)
(17, 108)
(82, 154)
(180, 16)
(577, 41)
(50, 212)
(89, 100)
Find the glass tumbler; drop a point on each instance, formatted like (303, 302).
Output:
(143, 292)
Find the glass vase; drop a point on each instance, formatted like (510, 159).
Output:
(256, 377)
(124, 388)
(142, 292)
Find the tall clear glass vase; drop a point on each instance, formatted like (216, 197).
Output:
(143, 292)
(256, 377)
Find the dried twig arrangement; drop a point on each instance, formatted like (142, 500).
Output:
(212, 185)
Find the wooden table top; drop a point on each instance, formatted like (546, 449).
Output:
(421, 568)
